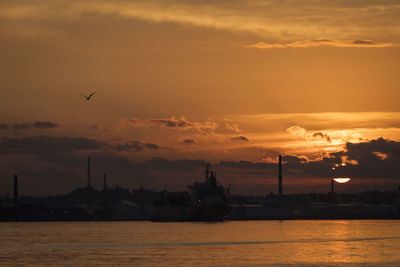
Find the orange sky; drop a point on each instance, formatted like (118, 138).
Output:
(217, 81)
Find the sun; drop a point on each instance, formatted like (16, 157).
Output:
(342, 180)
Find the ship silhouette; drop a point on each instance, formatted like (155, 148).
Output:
(204, 201)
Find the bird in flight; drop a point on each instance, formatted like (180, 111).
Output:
(88, 96)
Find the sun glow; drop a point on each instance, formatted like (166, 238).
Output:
(341, 180)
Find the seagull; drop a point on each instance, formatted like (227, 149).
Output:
(88, 96)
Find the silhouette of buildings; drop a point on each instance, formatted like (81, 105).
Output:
(116, 203)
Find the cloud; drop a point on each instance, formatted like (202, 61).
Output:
(378, 159)
(174, 123)
(294, 159)
(37, 125)
(243, 164)
(322, 136)
(268, 19)
(136, 146)
(188, 141)
(69, 170)
(132, 146)
(366, 149)
(240, 139)
(296, 131)
(229, 125)
(45, 124)
(322, 42)
(4, 126)
(152, 146)
(327, 120)
(162, 164)
(301, 133)
(21, 126)
(48, 144)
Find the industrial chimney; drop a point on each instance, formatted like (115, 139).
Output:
(280, 175)
(15, 190)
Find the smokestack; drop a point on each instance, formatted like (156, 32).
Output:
(15, 190)
(88, 172)
(280, 175)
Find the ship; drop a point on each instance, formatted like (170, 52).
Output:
(203, 201)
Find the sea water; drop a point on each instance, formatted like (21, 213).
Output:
(230, 243)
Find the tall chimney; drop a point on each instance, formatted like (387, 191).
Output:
(88, 172)
(280, 175)
(15, 190)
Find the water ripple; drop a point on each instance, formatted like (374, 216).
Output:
(184, 244)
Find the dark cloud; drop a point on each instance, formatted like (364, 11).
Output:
(21, 126)
(369, 163)
(93, 127)
(378, 159)
(136, 146)
(178, 165)
(322, 136)
(188, 141)
(152, 146)
(68, 172)
(360, 151)
(121, 170)
(131, 146)
(293, 159)
(48, 144)
(365, 42)
(292, 165)
(323, 42)
(240, 139)
(180, 123)
(126, 172)
(45, 124)
(4, 126)
(359, 160)
(50, 180)
(247, 165)
(173, 123)
(37, 124)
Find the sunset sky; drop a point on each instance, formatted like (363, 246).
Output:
(181, 83)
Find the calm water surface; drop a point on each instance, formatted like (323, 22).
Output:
(240, 243)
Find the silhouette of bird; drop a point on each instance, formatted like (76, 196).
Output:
(88, 96)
